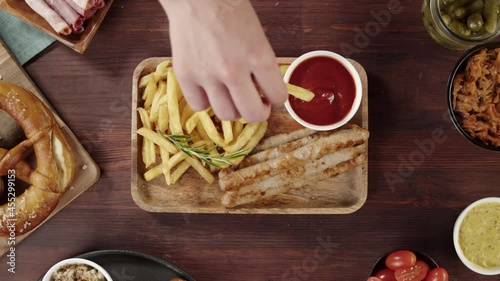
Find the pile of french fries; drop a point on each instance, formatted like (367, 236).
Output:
(174, 135)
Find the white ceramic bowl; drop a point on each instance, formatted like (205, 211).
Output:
(58, 265)
(456, 231)
(357, 83)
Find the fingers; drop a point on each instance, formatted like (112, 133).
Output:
(194, 95)
(271, 83)
(247, 100)
(221, 102)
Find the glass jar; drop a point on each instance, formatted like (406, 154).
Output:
(452, 36)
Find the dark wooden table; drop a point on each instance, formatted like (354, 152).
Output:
(407, 72)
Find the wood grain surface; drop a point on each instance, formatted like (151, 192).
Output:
(434, 172)
(78, 42)
(86, 170)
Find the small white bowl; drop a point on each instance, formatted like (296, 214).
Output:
(357, 83)
(58, 265)
(456, 231)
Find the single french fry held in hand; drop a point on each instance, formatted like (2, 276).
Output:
(300, 92)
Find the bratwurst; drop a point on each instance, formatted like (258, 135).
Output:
(293, 164)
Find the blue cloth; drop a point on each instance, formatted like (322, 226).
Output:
(23, 40)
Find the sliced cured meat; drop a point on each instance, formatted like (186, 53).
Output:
(68, 14)
(51, 16)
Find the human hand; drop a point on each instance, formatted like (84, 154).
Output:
(218, 55)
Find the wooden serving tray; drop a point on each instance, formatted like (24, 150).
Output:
(86, 173)
(77, 42)
(343, 194)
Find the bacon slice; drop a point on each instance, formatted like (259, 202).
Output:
(51, 16)
(68, 14)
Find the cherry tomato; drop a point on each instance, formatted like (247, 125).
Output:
(373, 278)
(400, 259)
(386, 275)
(437, 274)
(414, 273)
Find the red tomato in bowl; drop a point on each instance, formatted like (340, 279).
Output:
(418, 272)
(373, 278)
(386, 275)
(400, 259)
(437, 274)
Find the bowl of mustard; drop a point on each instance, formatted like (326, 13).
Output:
(476, 236)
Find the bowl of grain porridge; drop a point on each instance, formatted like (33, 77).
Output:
(76, 269)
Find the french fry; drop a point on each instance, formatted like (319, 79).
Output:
(173, 91)
(153, 173)
(182, 105)
(191, 122)
(149, 93)
(181, 169)
(209, 127)
(284, 68)
(161, 70)
(252, 143)
(148, 147)
(144, 81)
(243, 138)
(157, 139)
(204, 172)
(165, 157)
(202, 133)
(155, 106)
(227, 131)
(163, 118)
(185, 115)
(176, 159)
(237, 128)
(242, 121)
(299, 92)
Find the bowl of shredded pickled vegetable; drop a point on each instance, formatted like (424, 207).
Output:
(474, 96)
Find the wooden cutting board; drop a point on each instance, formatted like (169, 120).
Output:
(343, 194)
(87, 172)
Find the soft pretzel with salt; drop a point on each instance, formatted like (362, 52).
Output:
(55, 162)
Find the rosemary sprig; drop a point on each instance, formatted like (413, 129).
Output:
(215, 160)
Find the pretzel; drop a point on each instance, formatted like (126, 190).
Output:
(55, 162)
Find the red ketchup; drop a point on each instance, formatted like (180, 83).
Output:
(332, 85)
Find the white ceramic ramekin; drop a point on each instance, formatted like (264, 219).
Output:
(456, 231)
(357, 83)
(58, 265)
